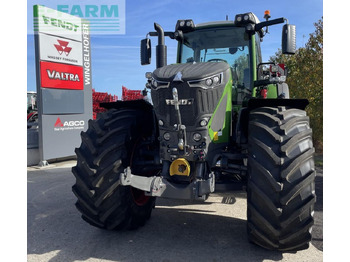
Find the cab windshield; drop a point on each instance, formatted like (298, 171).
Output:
(230, 45)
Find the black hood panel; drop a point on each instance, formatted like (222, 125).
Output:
(190, 71)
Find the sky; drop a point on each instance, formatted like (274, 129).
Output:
(116, 58)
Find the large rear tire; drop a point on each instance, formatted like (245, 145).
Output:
(107, 148)
(281, 184)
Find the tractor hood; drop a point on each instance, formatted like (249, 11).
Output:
(189, 71)
(192, 103)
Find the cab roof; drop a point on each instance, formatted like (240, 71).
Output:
(214, 24)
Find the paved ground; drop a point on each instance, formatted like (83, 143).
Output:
(178, 230)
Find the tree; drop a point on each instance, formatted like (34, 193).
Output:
(305, 79)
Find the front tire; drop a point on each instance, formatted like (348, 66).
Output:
(281, 185)
(107, 148)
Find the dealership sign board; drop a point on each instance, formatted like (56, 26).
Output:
(63, 68)
(63, 76)
(60, 50)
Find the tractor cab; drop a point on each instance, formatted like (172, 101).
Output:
(236, 43)
(226, 44)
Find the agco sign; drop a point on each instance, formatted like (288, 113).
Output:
(68, 125)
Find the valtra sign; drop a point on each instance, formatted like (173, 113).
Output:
(55, 75)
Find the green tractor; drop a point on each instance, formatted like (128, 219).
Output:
(220, 120)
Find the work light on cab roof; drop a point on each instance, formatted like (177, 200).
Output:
(185, 25)
(246, 18)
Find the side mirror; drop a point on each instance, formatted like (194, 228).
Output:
(288, 39)
(145, 51)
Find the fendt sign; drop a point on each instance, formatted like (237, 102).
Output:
(63, 66)
(60, 23)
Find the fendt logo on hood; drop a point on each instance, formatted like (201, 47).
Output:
(63, 47)
(68, 125)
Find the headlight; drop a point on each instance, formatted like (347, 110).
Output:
(216, 80)
(159, 84)
(209, 82)
(203, 122)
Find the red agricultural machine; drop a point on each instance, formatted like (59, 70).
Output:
(100, 97)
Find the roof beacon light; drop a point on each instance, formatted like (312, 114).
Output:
(267, 16)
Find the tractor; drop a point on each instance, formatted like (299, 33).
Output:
(32, 109)
(220, 120)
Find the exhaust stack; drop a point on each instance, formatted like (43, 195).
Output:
(161, 50)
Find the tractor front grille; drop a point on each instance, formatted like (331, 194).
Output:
(204, 103)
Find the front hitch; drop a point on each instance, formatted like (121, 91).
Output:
(160, 187)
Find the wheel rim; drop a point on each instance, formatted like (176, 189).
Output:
(139, 196)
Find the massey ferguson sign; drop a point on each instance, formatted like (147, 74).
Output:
(63, 47)
(60, 50)
(63, 63)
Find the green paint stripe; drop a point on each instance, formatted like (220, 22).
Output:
(227, 123)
